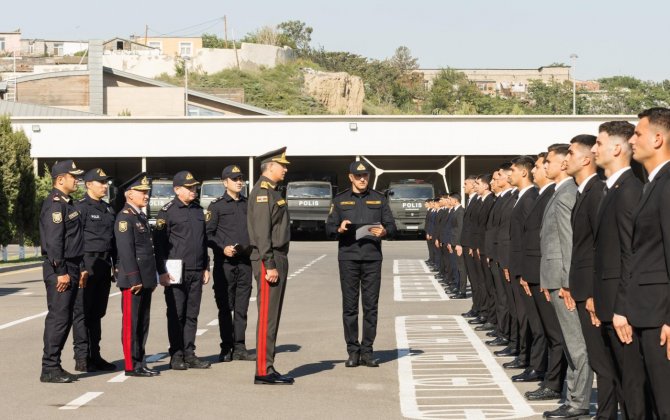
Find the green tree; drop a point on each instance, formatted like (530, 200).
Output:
(212, 41)
(402, 60)
(550, 98)
(295, 34)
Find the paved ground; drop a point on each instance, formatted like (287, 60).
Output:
(434, 364)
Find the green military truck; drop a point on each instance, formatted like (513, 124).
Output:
(161, 193)
(309, 205)
(406, 199)
(211, 189)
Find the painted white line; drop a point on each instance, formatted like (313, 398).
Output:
(214, 322)
(156, 357)
(253, 299)
(114, 294)
(121, 377)
(200, 332)
(78, 402)
(22, 320)
(9, 273)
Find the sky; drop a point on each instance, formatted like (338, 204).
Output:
(609, 37)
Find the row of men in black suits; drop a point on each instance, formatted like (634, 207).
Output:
(571, 273)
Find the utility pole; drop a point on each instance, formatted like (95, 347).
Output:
(237, 59)
(574, 58)
(146, 33)
(225, 30)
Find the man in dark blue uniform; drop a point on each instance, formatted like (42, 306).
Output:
(180, 235)
(228, 236)
(136, 276)
(62, 241)
(360, 260)
(97, 218)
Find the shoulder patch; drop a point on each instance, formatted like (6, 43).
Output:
(343, 192)
(267, 186)
(56, 198)
(332, 206)
(281, 202)
(347, 203)
(167, 206)
(373, 202)
(262, 199)
(160, 224)
(73, 215)
(126, 211)
(123, 226)
(208, 216)
(57, 217)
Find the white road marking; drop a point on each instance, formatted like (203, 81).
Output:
(9, 273)
(369, 387)
(214, 322)
(78, 402)
(156, 357)
(200, 332)
(435, 366)
(114, 294)
(303, 268)
(22, 320)
(413, 282)
(121, 377)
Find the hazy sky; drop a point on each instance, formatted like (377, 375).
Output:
(610, 37)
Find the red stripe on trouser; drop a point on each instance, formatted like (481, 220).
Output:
(262, 324)
(127, 329)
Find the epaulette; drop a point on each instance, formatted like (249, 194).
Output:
(168, 205)
(215, 200)
(378, 192)
(343, 192)
(56, 198)
(266, 185)
(126, 211)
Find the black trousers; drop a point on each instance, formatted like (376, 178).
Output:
(609, 387)
(58, 321)
(510, 307)
(360, 278)
(460, 270)
(473, 273)
(489, 285)
(431, 249)
(136, 309)
(532, 334)
(519, 317)
(183, 307)
(656, 367)
(270, 301)
(501, 306)
(232, 290)
(554, 376)
(91, 307)
(445, 265)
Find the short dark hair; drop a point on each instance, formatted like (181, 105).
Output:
(586, 140)
(541, 155)
(622, 129)
(471, 177)
(559, 149)
(524, 162)
(505, 166)
(455, 195)
(485, 178)
(657, 116)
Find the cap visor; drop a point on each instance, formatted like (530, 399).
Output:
(190, 184)
(76, 172)
(141, 188)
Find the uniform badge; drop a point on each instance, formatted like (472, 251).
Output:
(262, 199)
(347, 203)
(144, 181)
(123, 226)
(332, 206)
(281, 202)
(361, 167)
(101, 172)
(73, 215)
(235, 170)
(160, 224)
(208, 216)
(189, 176)
(57, 217)
(373, 202)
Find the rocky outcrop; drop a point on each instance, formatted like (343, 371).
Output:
(340, 93)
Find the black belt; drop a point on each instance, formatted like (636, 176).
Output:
(101, 255)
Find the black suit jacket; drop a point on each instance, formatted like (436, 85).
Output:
(520, 212)
(470, 222)
(530, 267)
(456, 226)
(483, 217)
(583, 226)
(645, 296)
(503, 238)
(613, 234)
(492, 225)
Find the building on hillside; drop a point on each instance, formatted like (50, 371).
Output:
(51, 48)
(172, 46)
(116, 45)
(10, 42)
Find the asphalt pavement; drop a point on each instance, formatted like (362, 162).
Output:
(433, 364)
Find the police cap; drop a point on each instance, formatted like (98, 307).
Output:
(232, 172)
(278, 156)
(65, 167)
(359, 167)
(184, 179)
(96, 174)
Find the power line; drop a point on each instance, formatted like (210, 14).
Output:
(211, 21)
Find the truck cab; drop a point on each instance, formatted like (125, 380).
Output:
(406, 199)
(162, 193)
(309, 205)
(211, 189)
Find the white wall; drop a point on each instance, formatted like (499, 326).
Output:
(69, 48)
(304, 136)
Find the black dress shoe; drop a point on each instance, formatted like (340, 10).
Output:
(101, 364)
(487, 326)
(242, 354)
(529, 375)
(226, 355)
(57, 377)
(194, 362)
(492, 333)
(542, 393)
(566, 412)
(515, 364)
(470, 314)
(506, 352)
(477, 321)
(368, 360)
(498, 341)
(152, 372)
(177, 363)
(81, 365)
(273, 378)
(353, 360)
(459, 296)
(141, 372)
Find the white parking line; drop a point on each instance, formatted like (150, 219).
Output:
(200, 332)
(78, 402)
(22, 320)
(121, 377)
(213, 323)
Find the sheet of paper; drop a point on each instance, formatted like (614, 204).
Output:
(174, 267)
(364, 231)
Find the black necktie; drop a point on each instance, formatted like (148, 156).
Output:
(600, 203)
(645, 187)
(605, 190)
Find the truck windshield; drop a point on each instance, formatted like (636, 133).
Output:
(215, 189)
(308, 191)
(162, 190)
(411, 192)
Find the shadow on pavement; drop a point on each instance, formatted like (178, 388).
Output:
(5, 291)
(314, 368)
(386, 356)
